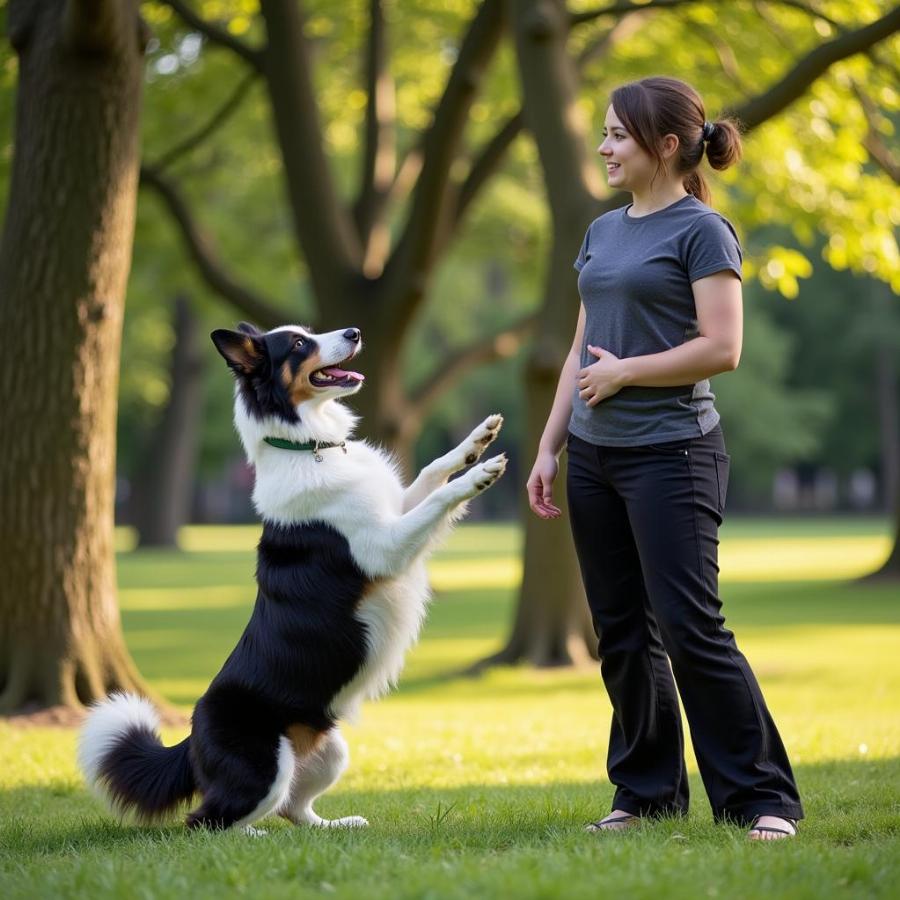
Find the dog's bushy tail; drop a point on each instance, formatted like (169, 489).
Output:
(124, 760)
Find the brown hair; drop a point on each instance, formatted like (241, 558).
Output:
(654, 107)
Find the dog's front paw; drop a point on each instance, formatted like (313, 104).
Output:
(481, 438)
(479, 478)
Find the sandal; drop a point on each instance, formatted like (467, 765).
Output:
(768, 828)
(626, 821)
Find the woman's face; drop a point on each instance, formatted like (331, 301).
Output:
(628, 166)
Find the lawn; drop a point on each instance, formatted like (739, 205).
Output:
(480, 787)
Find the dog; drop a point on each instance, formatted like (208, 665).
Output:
(342, 592)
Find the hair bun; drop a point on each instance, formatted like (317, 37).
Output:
(723, 143)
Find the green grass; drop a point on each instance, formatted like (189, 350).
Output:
(479, 788)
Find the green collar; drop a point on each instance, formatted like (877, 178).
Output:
(314, 446)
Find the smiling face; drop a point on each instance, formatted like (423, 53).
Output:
(628, 166)
(279, 370)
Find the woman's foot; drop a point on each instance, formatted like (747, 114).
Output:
(772, 828)
(617, 820)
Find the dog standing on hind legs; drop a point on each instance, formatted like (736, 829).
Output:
(342, 591)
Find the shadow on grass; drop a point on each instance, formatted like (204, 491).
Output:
(847, 803)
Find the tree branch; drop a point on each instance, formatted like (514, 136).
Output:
(623, 7)
(412, 256)
(491, 156)
(874, 142)
(215, 34)
(487, 162)
(218, 118)
(323, 226)
(379, 157)
(250, 303)
(759, 109)
(501, 344)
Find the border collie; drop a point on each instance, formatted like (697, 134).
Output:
(342, 590)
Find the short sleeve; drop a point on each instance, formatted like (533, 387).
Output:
(712, 246)
(584, 254)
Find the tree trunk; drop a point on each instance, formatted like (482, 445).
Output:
(162, 496)
(64, 261)
(888, 398)
(552, 626)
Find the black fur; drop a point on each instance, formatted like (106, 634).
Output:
(140, 773)
(258, 369)
(300, 647)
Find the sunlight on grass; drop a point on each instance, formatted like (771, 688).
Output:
(481, 786)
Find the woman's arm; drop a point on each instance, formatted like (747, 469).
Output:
(546, 465)
(717, 349)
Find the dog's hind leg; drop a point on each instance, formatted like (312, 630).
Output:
(314, 774)
(438, 471)
(246, 788)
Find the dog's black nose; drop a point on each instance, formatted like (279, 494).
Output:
(352, 334)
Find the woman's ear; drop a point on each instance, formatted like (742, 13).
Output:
(670, 145)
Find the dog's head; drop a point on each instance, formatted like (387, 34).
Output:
(280, 370)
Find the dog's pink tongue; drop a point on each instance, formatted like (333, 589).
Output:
(335, 372)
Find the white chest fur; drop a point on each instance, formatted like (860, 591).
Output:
(360, 495)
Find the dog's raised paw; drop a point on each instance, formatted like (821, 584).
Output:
(488, 472)
(481, 437)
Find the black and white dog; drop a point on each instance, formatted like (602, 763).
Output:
(342, 590)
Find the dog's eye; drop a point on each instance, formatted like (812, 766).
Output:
(298, 344)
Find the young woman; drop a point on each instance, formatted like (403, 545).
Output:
(660, 285)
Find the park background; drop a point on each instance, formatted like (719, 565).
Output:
(425, 170)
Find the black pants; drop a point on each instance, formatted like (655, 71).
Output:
(645, 522)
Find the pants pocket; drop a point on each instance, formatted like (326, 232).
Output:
(671, 448)
(723, 468)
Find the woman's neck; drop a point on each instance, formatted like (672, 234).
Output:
(649, 200)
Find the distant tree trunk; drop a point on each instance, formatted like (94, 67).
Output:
(64, 260)
(162, 495)
(888, 399)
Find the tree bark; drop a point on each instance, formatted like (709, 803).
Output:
(64, 260)
(552, 626)
(162, 496)
(887, 393)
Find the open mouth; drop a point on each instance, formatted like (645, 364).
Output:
(332, 376)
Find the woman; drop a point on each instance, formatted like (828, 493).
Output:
(660, 285)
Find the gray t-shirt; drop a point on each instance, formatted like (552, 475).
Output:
(635, 279)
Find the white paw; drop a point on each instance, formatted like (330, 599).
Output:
(346, 822)
(481, 438)
(250, 831)
(479, 478)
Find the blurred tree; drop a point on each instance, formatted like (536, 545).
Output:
(370, 261)
(551, 625)
(163, 486)
(64, 259)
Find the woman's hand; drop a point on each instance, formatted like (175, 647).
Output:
(601, 379)
(540, 485)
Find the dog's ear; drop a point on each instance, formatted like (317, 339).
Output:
(249, 328)
(244, 353)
